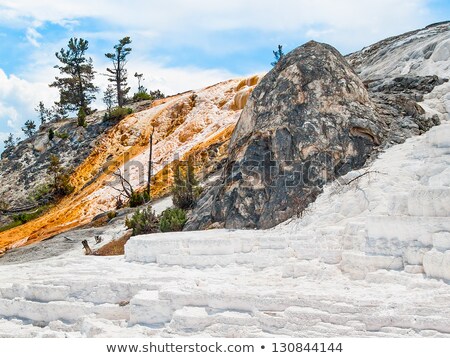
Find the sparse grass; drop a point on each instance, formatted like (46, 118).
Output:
(22, 218)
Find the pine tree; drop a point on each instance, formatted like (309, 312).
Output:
(29, 129)
(109, 98)
(185, 187)
(58, 112)
(10, 142)
(76, 87)
(60, 178)
(118, 74)
(278, 55)
(44, 113)
(81, 117)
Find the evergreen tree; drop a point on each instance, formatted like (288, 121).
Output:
(109, 98)
(60, 178)
(278, 55)
(44, 113)
(51, 134)
(81, 117)
(58, 112)
(29, 129)
(76, 87)
(118, 74)
(10, 142)
(185, 187)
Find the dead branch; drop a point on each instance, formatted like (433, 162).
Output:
(361, 175)
(130, 191)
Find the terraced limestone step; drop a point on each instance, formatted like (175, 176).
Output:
(59, 310)
(101, 291)
(429, 202)
(147, 248)
(358, 264)
(148, 308)
(406, 228)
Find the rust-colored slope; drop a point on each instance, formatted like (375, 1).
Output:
(188, 123)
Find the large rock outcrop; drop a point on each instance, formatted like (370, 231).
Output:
(407, 79)
(309, 121)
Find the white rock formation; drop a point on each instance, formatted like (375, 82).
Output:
(371, 258)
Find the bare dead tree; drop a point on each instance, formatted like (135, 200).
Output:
(126, 185)
(150, 163)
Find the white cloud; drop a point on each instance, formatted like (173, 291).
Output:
(33, 36)
(18, 98)
(352, 22)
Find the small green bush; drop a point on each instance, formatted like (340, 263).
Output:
(112, 214)
(41, 191)
(172, 220)
(143, 222)
(117, 114)
(23, 218)
(141, 96)
(138, 199)
(51, 134)
(62, 135)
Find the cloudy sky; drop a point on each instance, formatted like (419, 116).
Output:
(181, 45)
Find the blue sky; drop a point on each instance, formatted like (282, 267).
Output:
(180, 45)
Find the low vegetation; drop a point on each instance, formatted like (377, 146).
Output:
(185, 188)
(143, 221)
(172, 219)
(117, 114)
(22, 218)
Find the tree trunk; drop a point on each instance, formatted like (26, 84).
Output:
(150, 163)
(87, 249)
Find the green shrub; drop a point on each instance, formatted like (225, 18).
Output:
(51, 134)
(141, 96)
(62, 135)
(82, 118)
(143, 222)
(23, 218)
(138, 199)
(117, 114)
(41, 191)
(172, 220)
(112, 214)
(185, 189)
(156, 94)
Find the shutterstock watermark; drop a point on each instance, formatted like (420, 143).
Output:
(264, 172)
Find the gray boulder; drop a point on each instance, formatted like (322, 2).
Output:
(309, 121)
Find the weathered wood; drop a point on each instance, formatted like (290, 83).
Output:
(149, 177)
(87, 249)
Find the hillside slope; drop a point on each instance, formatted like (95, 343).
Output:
(180, 123)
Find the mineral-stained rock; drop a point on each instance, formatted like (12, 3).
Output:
(309, 121)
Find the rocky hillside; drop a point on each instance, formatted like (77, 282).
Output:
(312, 119)
(196, 122)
